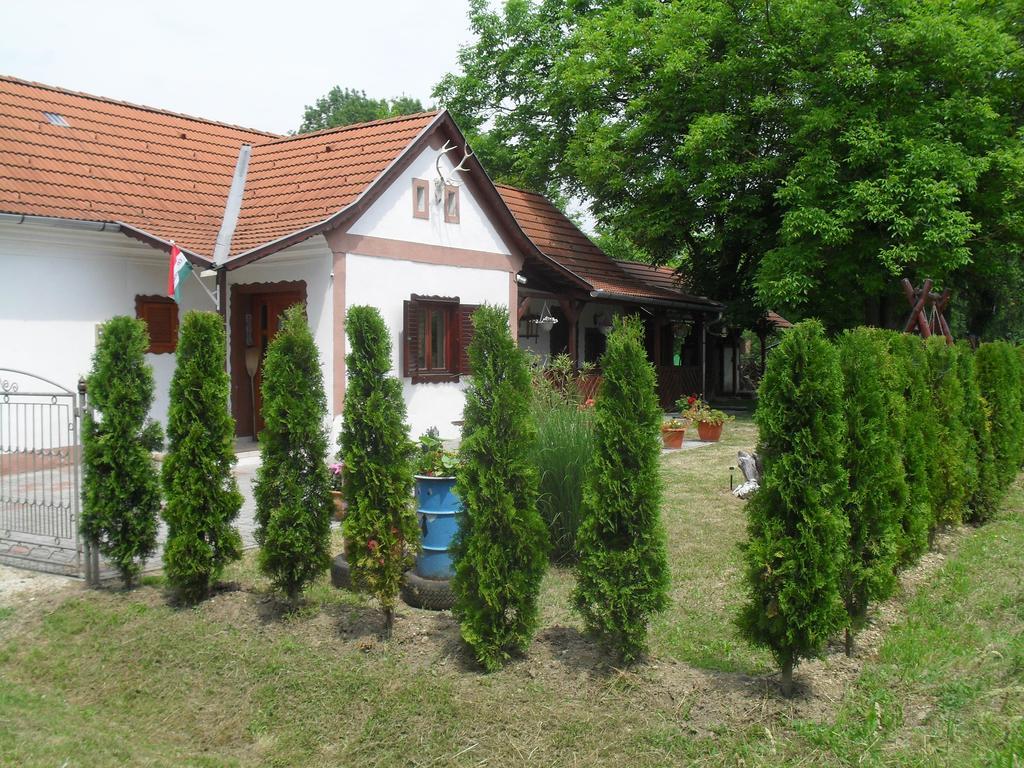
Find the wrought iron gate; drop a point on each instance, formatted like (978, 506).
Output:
(40, 473)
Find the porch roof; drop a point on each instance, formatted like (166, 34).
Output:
(557, 238)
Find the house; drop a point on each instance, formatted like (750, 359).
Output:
(396, 213)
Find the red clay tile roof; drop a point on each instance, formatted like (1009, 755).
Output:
(164, 173)
(554, 234)
(169, 174)
(299, 181)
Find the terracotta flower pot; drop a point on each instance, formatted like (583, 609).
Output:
(709, 433)
(673, 438)
(340, 507)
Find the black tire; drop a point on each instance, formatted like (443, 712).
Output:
(431, 594)
(341, 574)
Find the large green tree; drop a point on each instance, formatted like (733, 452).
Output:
(805, 155)
(345, 106)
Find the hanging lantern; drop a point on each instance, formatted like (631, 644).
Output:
(604, 323)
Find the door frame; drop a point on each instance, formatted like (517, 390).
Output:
(241, 392)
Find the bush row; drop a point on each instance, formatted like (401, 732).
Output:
(870, 444)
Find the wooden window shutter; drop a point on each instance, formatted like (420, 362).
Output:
(411, 334)
(465, 335)
(160, 314)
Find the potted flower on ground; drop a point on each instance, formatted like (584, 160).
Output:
(337, 470)
(710, 421)
(672, 433)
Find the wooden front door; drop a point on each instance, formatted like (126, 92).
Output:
(266, 309)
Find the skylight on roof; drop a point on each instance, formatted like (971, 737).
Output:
(54, 119)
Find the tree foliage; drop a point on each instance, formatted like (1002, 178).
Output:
(381, 531)
(201, 493)
(292, 488)
(120, 483)
(877, 493)
(500, 550)
(796, 523)
(803, 154)
(623, 574)
(345, 106)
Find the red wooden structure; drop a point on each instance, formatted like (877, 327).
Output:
(927, 308)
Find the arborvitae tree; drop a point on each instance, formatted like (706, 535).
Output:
(918, 434)
(877, 493)
(120, 483)
(999, 376)
(500, 551)
(293, 488)
(381, 530)
(622, 574)
(202, 495)
(984, 479)
(797, 528)
(948, 455)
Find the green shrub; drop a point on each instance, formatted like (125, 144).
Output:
(293, 487)
(983, 491)
(202, 495)
(877, 494)
(918, 434)
(381, 531)
(797, 529)
(500, 551)
(622, 574)
(120, 483)
(562, 453)
(950, 470)
(999, 377)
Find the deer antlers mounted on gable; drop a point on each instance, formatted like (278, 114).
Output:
(441, 179)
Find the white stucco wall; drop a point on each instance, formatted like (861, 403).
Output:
(391, 217)
(57, 285)
(385, 284)
(310, 261)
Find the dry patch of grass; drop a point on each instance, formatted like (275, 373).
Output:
(113, 678)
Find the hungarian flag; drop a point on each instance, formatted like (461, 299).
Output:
(177, 273)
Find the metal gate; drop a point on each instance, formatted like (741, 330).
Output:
(40, 473)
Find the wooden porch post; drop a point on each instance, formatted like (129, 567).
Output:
(571, 310)
(702, 340)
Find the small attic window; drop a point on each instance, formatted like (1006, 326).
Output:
(54, 119)
(451, 204)
(420, 199)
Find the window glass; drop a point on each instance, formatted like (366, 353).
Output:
(437, 339)
(421, 198)
(452, 203)
(421, 352)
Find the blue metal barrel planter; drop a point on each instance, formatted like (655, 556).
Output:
(436, 508)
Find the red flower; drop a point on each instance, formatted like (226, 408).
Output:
(691, 400)
(372, 545)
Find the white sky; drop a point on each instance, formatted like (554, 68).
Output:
(254, 64)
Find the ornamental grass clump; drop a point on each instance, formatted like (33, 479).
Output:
(983, 491)
(622, 576)
(120, 482)
(202, 496)
(293, 485)
(500, 550)
(918, 433)
(796, 523)
(949, 456)
(380, 528)
(877, 492)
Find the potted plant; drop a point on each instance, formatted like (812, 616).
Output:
(337, 470)
(709, 420)
(436, 506)
(672, 433)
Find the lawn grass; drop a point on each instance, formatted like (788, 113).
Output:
(111, 678)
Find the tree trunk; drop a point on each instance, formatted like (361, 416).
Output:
(849, 642)
(389, 622)
(787, 678)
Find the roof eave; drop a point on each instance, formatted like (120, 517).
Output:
(702, 306)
